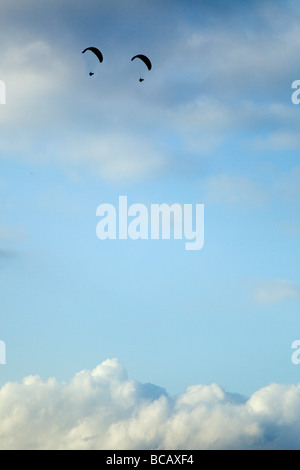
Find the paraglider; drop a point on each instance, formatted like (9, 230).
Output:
(97, 53)
(97, 57)
(146, 61)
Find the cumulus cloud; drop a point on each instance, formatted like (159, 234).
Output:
(103, 409)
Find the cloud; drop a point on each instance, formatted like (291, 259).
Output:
(272, 291)
(118, 156)
(10, 239)
(103, 409)
(235, 80)
(56, 122)
(9, 235)
(36, 76)
(6, 254)
(276, 142)
(288, 186)
(233, 190)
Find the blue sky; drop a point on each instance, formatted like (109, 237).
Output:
(212, 123)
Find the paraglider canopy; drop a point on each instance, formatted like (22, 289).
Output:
(145, 59)
(95, 51)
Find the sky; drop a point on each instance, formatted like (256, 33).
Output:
(152, 336)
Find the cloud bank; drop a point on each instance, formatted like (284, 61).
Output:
(103, 409)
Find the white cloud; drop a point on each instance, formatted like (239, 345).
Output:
(272, 291)
(103, 409)
(118, 156)
(36, 76)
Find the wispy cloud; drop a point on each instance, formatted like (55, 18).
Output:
(9, 235)
(6, 254)
(272, 291)
(288, 186)
(234, 190)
